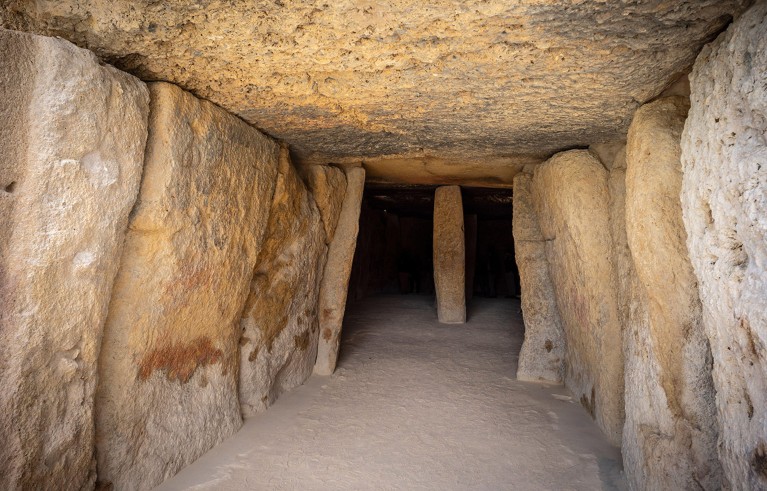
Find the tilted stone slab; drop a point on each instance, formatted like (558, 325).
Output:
(335, 278)
(449, 255)
(168, 366)
(571, 199)
(724, 203)
(670, 434)
(72, 138)
(280, 325)
(542, 355)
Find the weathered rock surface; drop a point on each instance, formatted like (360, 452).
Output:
(72, 137)
(615, 162)
(328, 186)
(279, 325)
(449, 255)
(670, 434)
(571, 199)
(168, 366)
(335, 278)
(442, 79)
(724, 203)
(542, 354)
(613, 157)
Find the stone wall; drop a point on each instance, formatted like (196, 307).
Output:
(571, 199)
(168, 368)
(72, 137)
(724, 202)
(168, 364)
(279, 325)
(670, 433)
(542, 355)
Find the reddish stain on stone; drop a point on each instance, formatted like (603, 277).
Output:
(327, 334)
(180, 361)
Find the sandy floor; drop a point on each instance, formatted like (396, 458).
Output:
(417, 405)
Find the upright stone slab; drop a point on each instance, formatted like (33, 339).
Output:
(571, 200)
(280, 325)
(169, 361)
(670, 433)
(72, 137)
(335, 278)
(724, 203)
(449, 255)
(542, 355)
(328, 186)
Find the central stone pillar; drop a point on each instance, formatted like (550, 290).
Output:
(449, 255)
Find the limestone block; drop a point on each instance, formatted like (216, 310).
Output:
(571, 199)
(724, 204)
(328, 186)
(335, 278)
(72, 138)
(543, 350)
(449, 255)
(168, 366)
(670, 433)
(438, 91)
(279, 325)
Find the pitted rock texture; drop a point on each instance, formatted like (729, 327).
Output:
(72, 137)
(449, 255)
(279, 325)
(670, 434)
(340, 80)
(542, 355)
(328, 186)
(168, 364)
(724, 203)
(334, 286)
(571, 199)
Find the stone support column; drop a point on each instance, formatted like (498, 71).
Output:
(449, 255)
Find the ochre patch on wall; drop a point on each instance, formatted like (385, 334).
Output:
(180, 361)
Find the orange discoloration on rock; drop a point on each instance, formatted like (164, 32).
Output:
(180, 361)
(327, 334)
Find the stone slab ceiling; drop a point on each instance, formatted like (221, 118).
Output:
(344, 80)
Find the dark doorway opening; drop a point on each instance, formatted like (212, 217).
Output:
(394, 245)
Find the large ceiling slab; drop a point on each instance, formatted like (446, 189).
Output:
(402, 81)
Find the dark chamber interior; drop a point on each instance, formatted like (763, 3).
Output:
(394, 245)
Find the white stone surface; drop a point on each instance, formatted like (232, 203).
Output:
(724, 202)
(72, 138)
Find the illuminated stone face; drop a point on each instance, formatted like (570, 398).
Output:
(461, 80)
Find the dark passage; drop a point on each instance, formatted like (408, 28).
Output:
(394, 246)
